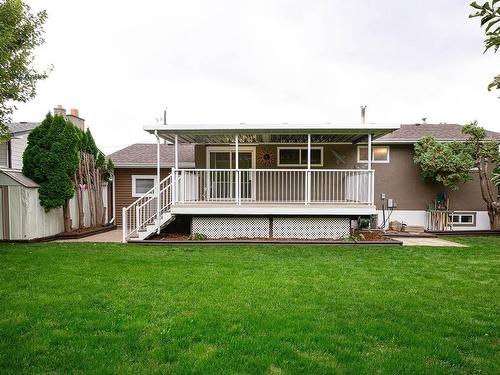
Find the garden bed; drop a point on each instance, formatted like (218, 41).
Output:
(81, 233)
(366, 238)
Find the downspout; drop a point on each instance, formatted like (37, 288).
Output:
(113, 200)
(9, 154)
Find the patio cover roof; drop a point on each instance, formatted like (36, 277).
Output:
(274, 133)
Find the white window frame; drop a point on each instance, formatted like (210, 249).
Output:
(460, 215)
(300, 148)
(135, 194)
(373, 150)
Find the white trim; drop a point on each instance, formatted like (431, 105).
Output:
(242, 128)
(293, 209)
(142, 176)
(461, 214)
(229, 149)
(300, 156)
(359, 147)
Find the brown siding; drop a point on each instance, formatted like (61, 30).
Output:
(400, 179)
(123, 189)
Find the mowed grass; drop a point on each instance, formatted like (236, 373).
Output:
(128, 309)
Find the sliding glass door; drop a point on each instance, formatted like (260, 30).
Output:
(222, 183)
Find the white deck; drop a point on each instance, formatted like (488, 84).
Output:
(272, 209)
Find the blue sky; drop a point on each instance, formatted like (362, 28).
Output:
(120, 63)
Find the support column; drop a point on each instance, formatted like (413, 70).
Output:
(237, 166)
(308, 179)
(371, 177)
(158, 179)
(369, 151)
(174, 171)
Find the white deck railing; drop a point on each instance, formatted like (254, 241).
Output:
(342, 186)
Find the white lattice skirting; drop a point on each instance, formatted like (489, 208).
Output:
(311, 227)
(283, 227)
(231, 227)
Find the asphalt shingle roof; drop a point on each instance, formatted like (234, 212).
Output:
(144, 154)
(20, 127)
(442, 132)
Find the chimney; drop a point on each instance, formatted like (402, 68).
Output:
(75, 119)
(363, 114)
(59, 110)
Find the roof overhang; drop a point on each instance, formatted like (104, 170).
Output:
(263, 133)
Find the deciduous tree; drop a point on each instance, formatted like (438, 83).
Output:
(21, 32)
(451, 163)
(489, 13)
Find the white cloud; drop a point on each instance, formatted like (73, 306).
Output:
(121, 62)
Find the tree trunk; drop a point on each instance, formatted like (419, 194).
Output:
(79, 198)
(98, 198)
(90, 189)
(67, 217)
(492, 206)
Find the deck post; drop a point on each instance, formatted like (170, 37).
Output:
(174, 171)
(124, 225)
(237, 165)
(158, 179)
(308, 179)
(370, 175)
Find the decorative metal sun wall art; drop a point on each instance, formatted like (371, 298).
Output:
(265, 157)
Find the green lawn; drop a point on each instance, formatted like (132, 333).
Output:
(125, 309)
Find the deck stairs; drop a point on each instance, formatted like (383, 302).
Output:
(150, 212)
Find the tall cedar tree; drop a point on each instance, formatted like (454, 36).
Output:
(21, 32)
(51, 160)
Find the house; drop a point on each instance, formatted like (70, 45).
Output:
(21, 215)
(287, 181)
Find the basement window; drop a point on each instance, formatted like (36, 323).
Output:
(297, 156)
(463, 219)
(141, 184)
(380, 154)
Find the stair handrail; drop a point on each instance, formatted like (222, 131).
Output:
(133, 223)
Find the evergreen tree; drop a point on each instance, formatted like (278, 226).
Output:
(51, 160)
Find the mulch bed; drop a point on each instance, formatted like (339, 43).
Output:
(81, 233)
(374, 237)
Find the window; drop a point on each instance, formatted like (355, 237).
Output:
(297, 156)
(380, 154)
(141, 184)
(463, 219)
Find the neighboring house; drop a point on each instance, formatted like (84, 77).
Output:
(136, 170)
(286, 181)
(21, 215)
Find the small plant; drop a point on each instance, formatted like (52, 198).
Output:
(363, 223)
(355, 237)
(197, 237)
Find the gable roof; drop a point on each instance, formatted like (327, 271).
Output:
(21, 127)
(411, 133)
(19, 178)
(143, 155)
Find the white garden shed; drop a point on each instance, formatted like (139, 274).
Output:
(21, 215)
